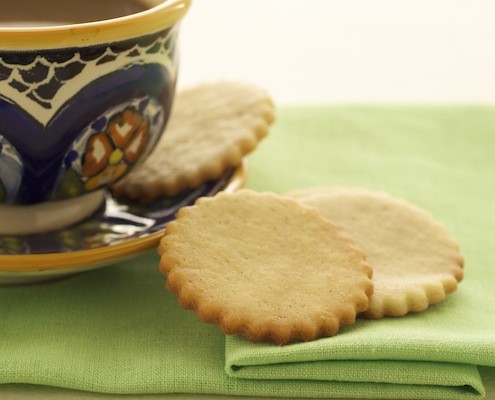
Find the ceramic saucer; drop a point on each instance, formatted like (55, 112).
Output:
(118, 230)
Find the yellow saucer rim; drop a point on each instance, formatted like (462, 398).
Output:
(84, 258)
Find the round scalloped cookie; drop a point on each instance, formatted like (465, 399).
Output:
(212, 127)
(264, 266)
(415, 261)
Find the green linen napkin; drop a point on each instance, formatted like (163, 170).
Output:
(117, 330)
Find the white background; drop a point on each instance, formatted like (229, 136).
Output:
(345, 51)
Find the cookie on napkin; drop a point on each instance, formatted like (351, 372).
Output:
(211, 128)
(415, 261)
(264, 266)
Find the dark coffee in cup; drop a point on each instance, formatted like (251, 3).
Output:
(54, 12)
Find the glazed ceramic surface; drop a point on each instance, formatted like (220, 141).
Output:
(117, 230)
(76, 118)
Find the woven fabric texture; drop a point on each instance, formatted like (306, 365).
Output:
(117, 330)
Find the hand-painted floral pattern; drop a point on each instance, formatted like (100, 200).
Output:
(110, 153)
(106, 150)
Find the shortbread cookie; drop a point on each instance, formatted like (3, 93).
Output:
(415, 261)
(212, 127)
(264, 266)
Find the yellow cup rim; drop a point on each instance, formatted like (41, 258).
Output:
(154, 19)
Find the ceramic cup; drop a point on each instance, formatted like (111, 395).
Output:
(86, 88)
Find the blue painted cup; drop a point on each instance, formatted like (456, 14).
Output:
(81, 103)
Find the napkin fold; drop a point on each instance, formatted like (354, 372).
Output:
(117, 330)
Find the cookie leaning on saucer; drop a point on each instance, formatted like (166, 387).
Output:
(211, 128)
(264, 266)
(415, 261)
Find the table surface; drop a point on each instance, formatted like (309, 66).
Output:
(334, 51)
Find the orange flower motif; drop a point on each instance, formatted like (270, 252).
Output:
(109, 154)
